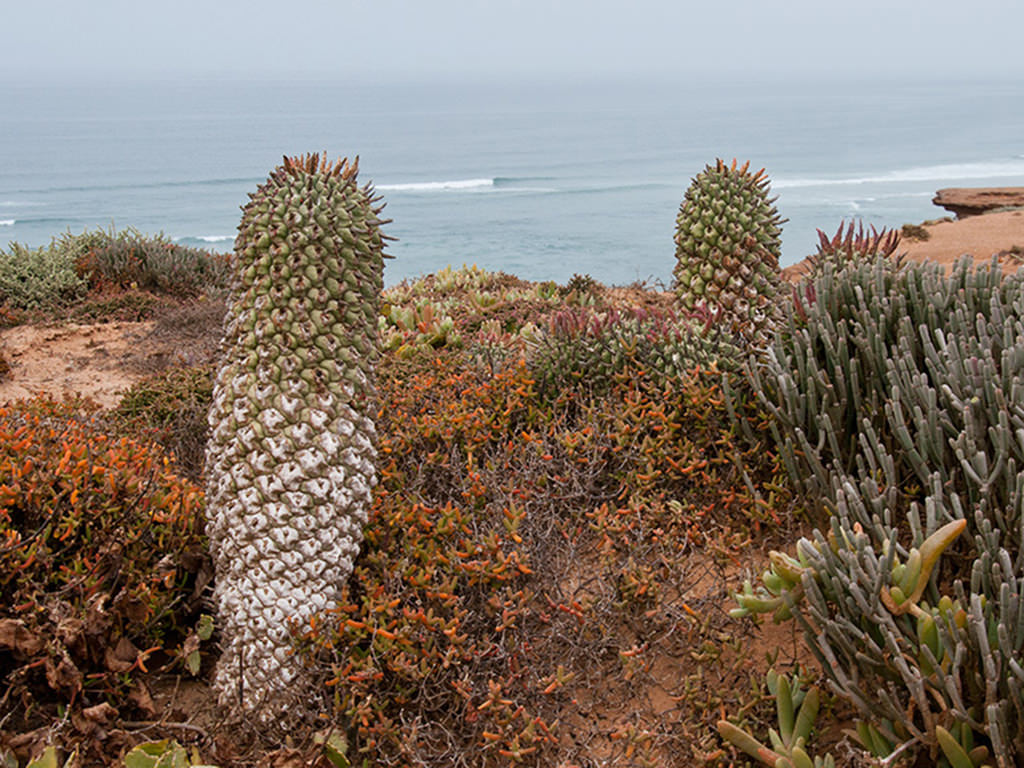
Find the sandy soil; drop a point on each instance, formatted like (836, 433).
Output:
(92, 360)
(980, 237)
(102, 361)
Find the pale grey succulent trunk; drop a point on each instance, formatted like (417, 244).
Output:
(290, 464)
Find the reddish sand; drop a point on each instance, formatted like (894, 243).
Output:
(91, 360)
(980, 237)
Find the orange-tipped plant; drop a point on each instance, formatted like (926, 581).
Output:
(850, 246)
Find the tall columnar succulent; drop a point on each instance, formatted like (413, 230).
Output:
(727, 245)
(290, 464)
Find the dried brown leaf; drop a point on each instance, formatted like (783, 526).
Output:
(93, 721)
(16, 637)
(122, 657)
(62, 674)
(142, 699)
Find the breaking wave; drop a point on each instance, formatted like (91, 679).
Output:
(437, 186)
(949, 171)
(204, 240)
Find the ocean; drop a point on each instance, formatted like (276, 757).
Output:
(541, 179)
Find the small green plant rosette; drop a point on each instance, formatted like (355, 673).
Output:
(797, 710)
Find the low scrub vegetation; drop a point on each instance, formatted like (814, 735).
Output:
(543, 578)
(105, 273)
(577, 489)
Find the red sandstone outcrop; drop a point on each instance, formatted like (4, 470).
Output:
(971, 201)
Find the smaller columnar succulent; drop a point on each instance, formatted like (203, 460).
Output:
(728, 240)
(587, 347)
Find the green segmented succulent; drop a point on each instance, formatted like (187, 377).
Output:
(728, 245)
(290, 464)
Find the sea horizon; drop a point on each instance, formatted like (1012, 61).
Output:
(542, 180)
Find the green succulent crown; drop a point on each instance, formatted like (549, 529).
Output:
(728, 244)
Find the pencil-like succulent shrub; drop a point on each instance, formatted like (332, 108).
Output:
(896, 402)
(849, 246)
(290, 465)
(728, 244)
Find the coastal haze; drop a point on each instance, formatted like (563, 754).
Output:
(539, 139)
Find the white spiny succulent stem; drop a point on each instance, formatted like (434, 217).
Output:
(290, 465)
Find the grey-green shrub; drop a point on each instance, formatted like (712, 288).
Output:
(38, 278)
(898, 404)
(129, 258)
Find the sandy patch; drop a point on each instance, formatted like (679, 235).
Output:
(91, 360)
(978, 236)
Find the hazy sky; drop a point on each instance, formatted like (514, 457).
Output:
(428, 39)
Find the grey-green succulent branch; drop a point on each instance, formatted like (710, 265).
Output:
(290, 463)
(728, 240)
